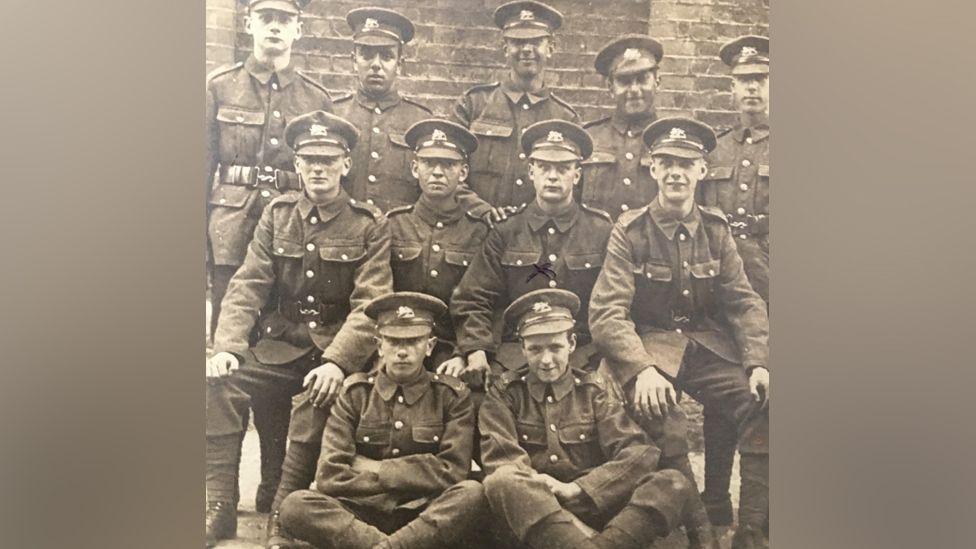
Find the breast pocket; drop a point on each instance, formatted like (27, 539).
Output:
(402, 189)
(717, 188)
(372, 440)
(530, 435)
(338, 260)
(653, 289)
(491, 159)
(762, 189)
(240, 128)
(703, 281)
(599, 172)
(427, 438)
(407, 266)
(582, 442)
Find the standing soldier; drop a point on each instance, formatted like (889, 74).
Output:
(738, 184)
(396, 449)
(673, 308)
(316, 260)
(552, 242)
(248, 165)
(381, 159)
(435, 240)
(498, 113)
(559, 448)
(616, 176)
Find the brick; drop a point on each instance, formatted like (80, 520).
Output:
(720, 83)
(675, 82)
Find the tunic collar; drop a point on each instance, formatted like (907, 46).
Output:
(636, 127)
(560, 388)
(431, 215)
(515, 96)
(263, 73)
(668, 224)
(564, 221)
(387, 101)
(411, 391)
(325, 212)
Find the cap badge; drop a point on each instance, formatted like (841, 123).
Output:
(405, 312)
(677, 133)
(632, 54)
(318, 130)
(438, 135)
(370, 23)
(748, 51)
(541, 307)
(554, 137)
(526, 15)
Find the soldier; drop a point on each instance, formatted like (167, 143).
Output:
(316, 260)
(559, 448)
(498, 113)
(248, 105)
(435, 239)
(738, 184)
(615, 177)
(672, 308)
(396, 449)
(381, 159)
(552, 242)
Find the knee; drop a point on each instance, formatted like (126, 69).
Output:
(471, 494)
(500, 484)
(292, 511)
(666, 481)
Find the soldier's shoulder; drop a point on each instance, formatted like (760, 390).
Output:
(223, 70)
(592, 124)
(362, 379)
(418, 104)
(597, 212)
(452, 383)
(564, 103)
(511, 378)
(513, 220)
(342, 97)
(311, 80)
(586, 377)
(476, 219)
(392, 212)
(628, 218)
(482, 88)
(366, 208)
(722, 131)
(287, 198)
(713, 213)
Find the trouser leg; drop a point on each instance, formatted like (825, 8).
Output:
(694, 516)
(519, 501)
(325, 522)
(720, 443)
(271, 416)
(304, 445)
(219, 280)
(446, 522)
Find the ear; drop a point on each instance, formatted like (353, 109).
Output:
(550, 47)
(296, 162)
(654, 173)
(346, 164)
(572, 342)
(702, 168)
(413, 169)
(377, 343)
(299, 30)
(247, 24)
(577, 173)
(464, 172)
(431, 342)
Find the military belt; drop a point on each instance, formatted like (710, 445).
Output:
(253, 176)
(323, 313)
(749, 224)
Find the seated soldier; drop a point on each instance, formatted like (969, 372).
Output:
(396, 447)
(561, 452)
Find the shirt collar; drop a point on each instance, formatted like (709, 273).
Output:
(326, 212)
(560, 388)
(621, 124)
(516, 95)
(263, 73)
(669, 225)
(431, 215)
(757, 133)
(564, 221)
(390, 99)
(411, 391)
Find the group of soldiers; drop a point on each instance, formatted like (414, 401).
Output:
(475, 329)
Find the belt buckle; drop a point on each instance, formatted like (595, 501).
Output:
(265, 178)
(681, 321)
(306, 312)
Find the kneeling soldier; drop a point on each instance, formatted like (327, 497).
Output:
(396, 448)
(559, 447)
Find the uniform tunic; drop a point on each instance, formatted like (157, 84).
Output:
(738, 184)
(617, 177)
(248, 162)
(511, 261)
(497, 115)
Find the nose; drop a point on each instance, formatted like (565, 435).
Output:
(437, 169)
(401, 353)
(374, 63)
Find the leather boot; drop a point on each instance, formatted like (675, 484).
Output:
(654, 510)
(720, 444)
(359, 535)
(702, 538)
(418, 534)
(557, 531)
(276, 536)
(749, 537)
(753, 501)
(221, 522)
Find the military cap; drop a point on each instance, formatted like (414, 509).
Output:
(679, 136)
(320, 133)
(747, 55)
(439, 138)
(527, 19)
(288, 6)
(629, 54)
(405, 314)
(545, 311)
(379, 27)
(556, 141)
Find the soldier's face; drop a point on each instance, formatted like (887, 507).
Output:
(634, 93)
(439, 177)
(321, 175)
(677, 177)
(548, 354)
(554, 181)
(403, 357)
(377, 67)
(751, 93)
(528, 57)
(272, 31)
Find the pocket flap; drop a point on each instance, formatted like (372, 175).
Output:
(430, 434)
(482, 128)
(576, 262)
(655, 271)
(405, 252)
(286, 248)
(342, 251)
(519, 259)
(454, 257)
(600, 157)
(235, 115)
(398, 140)
(708, 269)
(720, 172)
(529, 433)
(373, 434)
(230, 196)
(578, 434)
(764, 170)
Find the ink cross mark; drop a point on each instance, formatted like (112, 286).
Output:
(544, 269)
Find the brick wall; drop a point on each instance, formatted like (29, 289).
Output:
(457, 46)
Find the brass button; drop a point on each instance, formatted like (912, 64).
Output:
(433, 273)
(552, 283)
(554, 458)
(629, 156)
(549, 399)
(374, 154)
(281, 250)
(437, 438)
(525, 106)
(400, 399)
(552, 427)
(743, 237)
(223, 200)
(682, 237)
(521, 156)
(684, 264)
(436, 247)
(274, 140)
(678, 330)
(749, 140)
(310, 247)
(372, 178)
(552, 230)
(439, 225)
(525, 437)
(552, 257)
(266, 193)
(518, 261)
(395, 451)
(624, 207)
(685, 292)
(746, 163)
(276, 114)
(268, 169)
(369, 201)
(741, 211)
(309, 273)
(310, 299)
(744, 187)
(274, 85)
(587, 265)
(313, 325)
(464, 262)
(365, 439)
(519, 181)
(398, 425)
(377, 110)
(376, 130)
(313, 220)
(626, 181)
(344, 257)
(369, 379)
(630, 133)
(582, 437)
(711, 272)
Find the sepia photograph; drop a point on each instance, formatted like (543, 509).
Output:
(487, 274)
